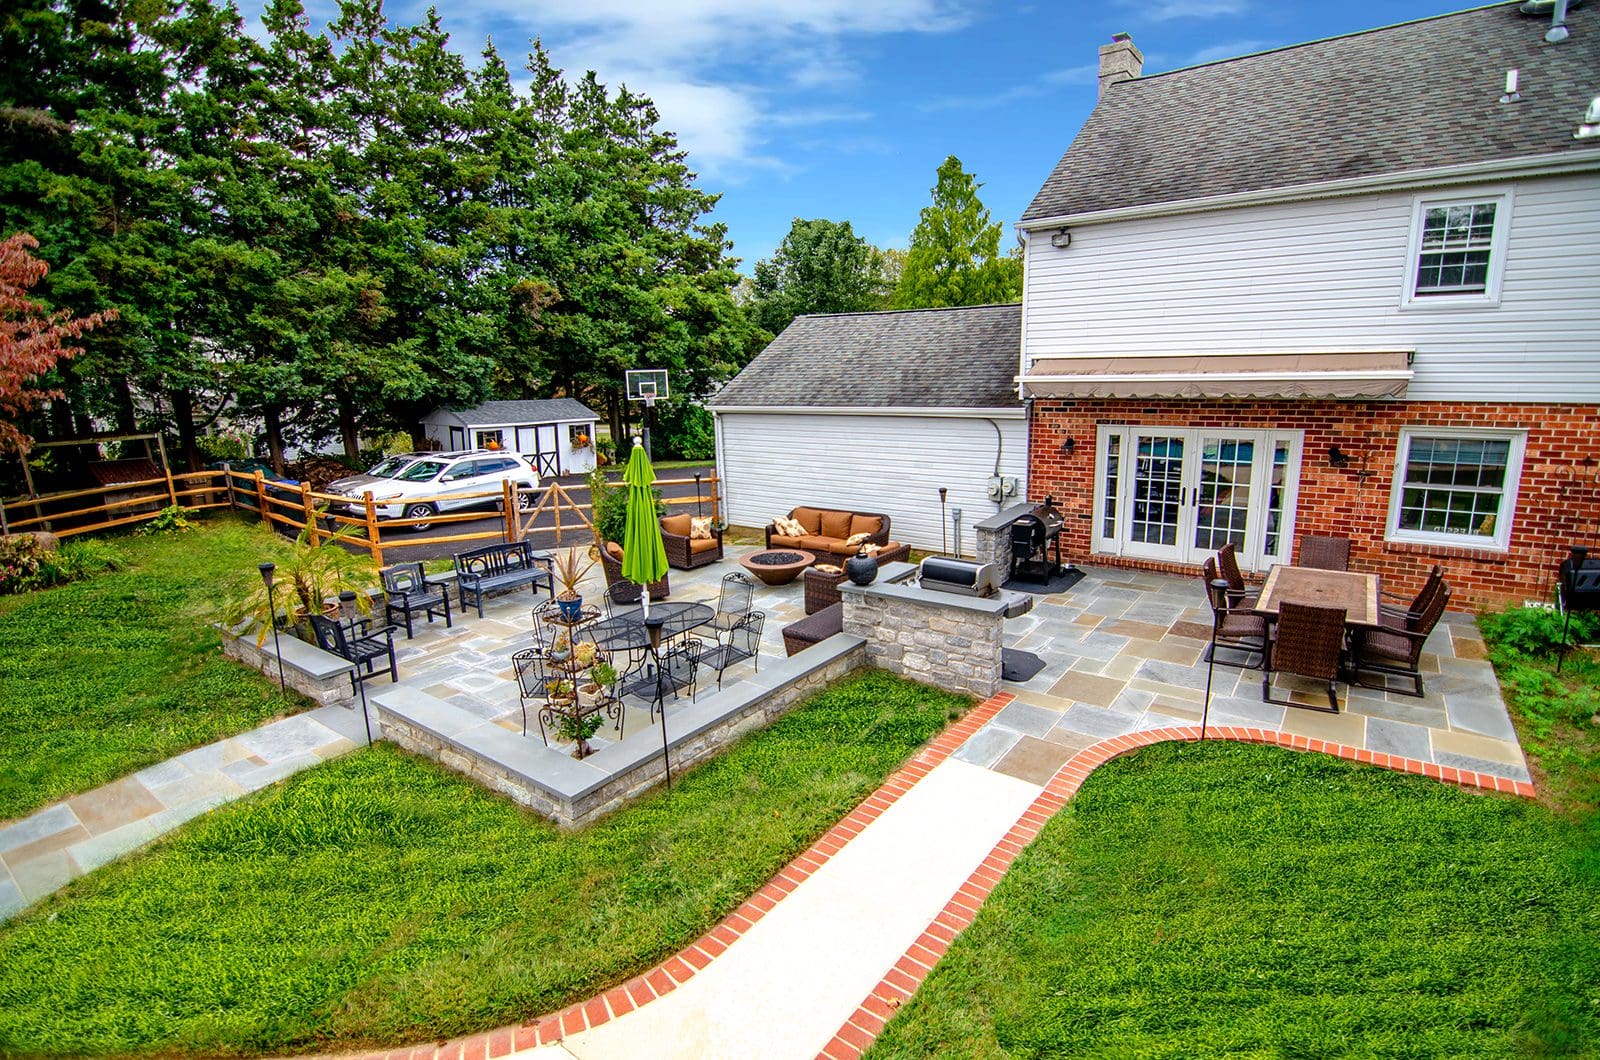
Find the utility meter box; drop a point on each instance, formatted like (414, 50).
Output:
(1002, 486)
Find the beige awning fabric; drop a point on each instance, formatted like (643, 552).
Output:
(1263, 375)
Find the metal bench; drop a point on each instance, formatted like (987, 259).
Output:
(495, 567)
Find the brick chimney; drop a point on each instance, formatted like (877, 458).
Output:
(1120, 60)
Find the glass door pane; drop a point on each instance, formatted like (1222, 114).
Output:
(1224, 490)
(1157, 493)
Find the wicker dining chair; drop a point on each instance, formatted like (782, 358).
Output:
(1308, 642)
(1395, 616)
(1239, 594)
(1325, 553)
(1231, 627)
(1397, 651)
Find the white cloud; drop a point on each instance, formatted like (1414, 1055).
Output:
(1168, 10)
(720, 71)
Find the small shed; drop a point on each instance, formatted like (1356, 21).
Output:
(877, 412)
(556, 435)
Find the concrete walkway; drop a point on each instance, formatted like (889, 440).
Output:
(43, 852)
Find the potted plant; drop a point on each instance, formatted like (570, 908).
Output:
(561, 648)
(583, 653)
(309, 580)
(570, 567)
(578, 728)
(601, 677)
(558, 690)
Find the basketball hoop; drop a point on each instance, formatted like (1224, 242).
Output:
(646, 385)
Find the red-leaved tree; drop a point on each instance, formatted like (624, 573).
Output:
(32, 339)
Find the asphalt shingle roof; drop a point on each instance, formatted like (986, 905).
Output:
(553, 410)
(1407, 97)
(923, 358)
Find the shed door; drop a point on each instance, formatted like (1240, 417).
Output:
(549, 452)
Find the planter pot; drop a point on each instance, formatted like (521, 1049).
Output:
(860, 569)
(588, 695)
(571, 610)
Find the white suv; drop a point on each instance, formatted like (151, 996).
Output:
(439, 482)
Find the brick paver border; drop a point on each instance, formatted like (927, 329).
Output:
(681, 967)
(859, 1031)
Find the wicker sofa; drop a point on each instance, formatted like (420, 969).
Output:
(684, 551)
(611, 563)
(827, 529)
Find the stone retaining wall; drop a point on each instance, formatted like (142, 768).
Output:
(307, 669)
(937, 638)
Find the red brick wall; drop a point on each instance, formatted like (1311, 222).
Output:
(1558, 499)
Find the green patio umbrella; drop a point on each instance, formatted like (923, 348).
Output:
(644, 557)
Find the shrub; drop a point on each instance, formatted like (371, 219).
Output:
(1529, 631)
(219, 447)
(173, 519)
(685, 430)
(84, 557)
(24, 565)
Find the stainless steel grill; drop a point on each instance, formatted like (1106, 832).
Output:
(965, 577)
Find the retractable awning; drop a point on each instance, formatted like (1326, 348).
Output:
(1265, 375)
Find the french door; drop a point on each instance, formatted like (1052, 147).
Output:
(1180, 494)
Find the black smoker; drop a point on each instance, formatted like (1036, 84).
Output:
(1580, 591)
(1031, 537)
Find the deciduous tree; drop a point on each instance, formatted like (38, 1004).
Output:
(820, 267)
(954, 258)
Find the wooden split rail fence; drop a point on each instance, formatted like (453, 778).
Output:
(297, 507)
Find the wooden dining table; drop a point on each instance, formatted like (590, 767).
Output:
(1355, 593)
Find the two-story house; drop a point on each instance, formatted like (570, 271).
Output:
(1348, 287)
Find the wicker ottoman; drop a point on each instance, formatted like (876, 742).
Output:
(798, 636)
(822, 589)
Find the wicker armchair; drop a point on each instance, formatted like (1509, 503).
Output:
(1398, 650)
(1325, 553)
(1236, 628)
(1307, 641)
(685, 552)
(1239, 594)
(622, 591)
(822, 588)
(1395, 616)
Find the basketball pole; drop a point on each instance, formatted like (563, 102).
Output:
(649, 418)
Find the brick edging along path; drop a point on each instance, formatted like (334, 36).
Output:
(896, 987)
(902, 980)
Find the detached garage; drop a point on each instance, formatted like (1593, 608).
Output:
(556, 435)
(876, 412)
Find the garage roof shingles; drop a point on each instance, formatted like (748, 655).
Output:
(548, 410)
(922, 358)
(1409, 97)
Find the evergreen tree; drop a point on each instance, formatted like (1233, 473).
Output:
(954, 258)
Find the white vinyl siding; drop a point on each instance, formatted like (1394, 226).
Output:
(1331, 275)
(869, 462)
(1455, 487)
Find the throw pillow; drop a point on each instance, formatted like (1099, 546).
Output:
(700, 528)
(855, 539)
(788, 527)
(870, 550)
(828, 568)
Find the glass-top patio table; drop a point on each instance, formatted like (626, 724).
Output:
(625, 630)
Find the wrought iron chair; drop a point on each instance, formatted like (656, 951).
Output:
(531, 686)
(1306, 641)
(407, 592)
(733, 603)
(744, 642)
(1232, 627)
(1239, 594)
(1397, 650)
(543, 635)
(1325, 553)
(679, 669)
(356, 643)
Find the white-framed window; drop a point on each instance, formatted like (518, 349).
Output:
(1455, 487)
(1458, 250)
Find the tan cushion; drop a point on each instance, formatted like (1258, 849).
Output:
(865, 524)
(813, 543)
(827, 568)
(836, 525)
(677, 524)
(810, 518)
(700, 528)
(698, 545)
(856, 539)
(615, 550)
(788, 540)
(788, 527)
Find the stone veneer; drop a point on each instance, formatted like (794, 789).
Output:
(940, 638)
(992, 536)
(573, 793)
(314, 673)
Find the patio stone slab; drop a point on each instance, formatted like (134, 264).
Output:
(1029, 720)
(1482, 765)
(1481, 747)
(1088, 688)
(1098, 722)
(46, 822)
(1135, 631)
(1175, 652)
(1343, 728)
(1033, 760)
(45, 845)
(1483, 713)
(1235, 709)
(113, 805)
(11, 900)
(43, 875)
(1398, 738)
(987, 745)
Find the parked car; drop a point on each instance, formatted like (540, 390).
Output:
(420, 485)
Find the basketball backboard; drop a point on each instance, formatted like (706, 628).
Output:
(647, 384)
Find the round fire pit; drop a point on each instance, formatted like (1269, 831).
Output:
(777, 566)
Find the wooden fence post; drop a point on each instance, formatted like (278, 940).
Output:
(508, 505)
(311, 514)
(166, 469)
(372, 530)
(261, 499)
(561, 496)
(227, 480)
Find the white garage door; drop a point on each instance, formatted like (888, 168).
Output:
(773, 462)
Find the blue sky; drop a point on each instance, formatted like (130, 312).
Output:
(844, 108)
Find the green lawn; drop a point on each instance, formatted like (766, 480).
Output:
(1228, 899)
(104, 677)
(378, 899)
